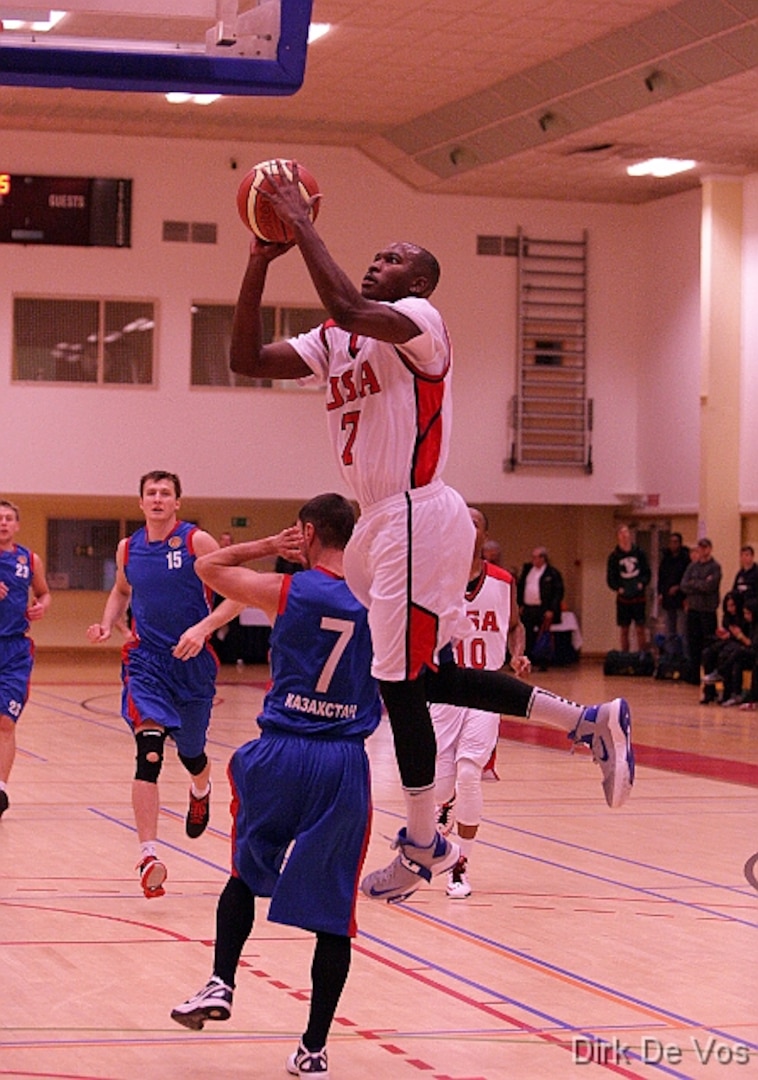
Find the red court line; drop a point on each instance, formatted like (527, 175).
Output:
(562, 1041)
(657, 757)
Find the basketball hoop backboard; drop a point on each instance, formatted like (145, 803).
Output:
(197, 46)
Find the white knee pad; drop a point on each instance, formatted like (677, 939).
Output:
(469, 801)
(444, 788)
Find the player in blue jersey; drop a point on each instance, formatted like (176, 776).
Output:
(305, 781)
(20, 571)
(168, 667)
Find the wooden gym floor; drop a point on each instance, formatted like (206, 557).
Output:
(596, 942)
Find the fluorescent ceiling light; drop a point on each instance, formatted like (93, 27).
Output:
(181, 97)
(660, 166)
(318, 30)
(37, 26)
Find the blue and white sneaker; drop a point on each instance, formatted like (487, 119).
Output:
(213, 1002)
(411, 868)
(607, 730)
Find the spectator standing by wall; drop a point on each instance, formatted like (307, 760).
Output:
(539, 596)
(628, 575)
(492, 552)
(701, 585)
(675, 560)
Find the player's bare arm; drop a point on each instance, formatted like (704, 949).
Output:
(519, 661)
(40, 591)
(358, 312)
(248, 355)
(115, 605)
(224, 572)
(193, 640)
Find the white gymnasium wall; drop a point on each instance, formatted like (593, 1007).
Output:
(272, 444)
(749, 403)
(668, 363)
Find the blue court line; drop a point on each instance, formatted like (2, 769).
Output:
(689, 878)
(488, 992)
(78, 716)
(164, 843)
(609, 880)
(507, 950)
(556, 969)
(30, 754)
(121, 727)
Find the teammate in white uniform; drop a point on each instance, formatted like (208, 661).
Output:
(465, 737)
(385, 359)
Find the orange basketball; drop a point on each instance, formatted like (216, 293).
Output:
(256, 210)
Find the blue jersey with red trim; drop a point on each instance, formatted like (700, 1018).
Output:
(321, 662)
(167, 595)
(16, 571)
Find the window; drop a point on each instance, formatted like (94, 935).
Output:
(81, 554)
(86, 341)
(212, 334)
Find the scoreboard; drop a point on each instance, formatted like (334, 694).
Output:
(73, 211)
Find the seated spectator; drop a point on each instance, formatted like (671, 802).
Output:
(740, 657)
(723, 641)
(746, 578)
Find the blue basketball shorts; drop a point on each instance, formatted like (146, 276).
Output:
(313, 794)
(177, 694)
(16, 663)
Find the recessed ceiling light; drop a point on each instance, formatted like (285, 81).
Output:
(318, 30)
(35, 25)
(661, 166)
(181, 97)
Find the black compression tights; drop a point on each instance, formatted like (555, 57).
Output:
(493, 691)
(412, 729)
(235, 914)
(331, 963)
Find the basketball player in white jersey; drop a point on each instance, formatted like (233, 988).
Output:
(385, 359)
(465, 737)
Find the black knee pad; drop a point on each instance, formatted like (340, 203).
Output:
(194, 765)
(149, 754)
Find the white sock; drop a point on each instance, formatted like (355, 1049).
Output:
(200, 794)
(553, 710)
(148, 848)
(420, 808)
(3, 785)
(465, 843)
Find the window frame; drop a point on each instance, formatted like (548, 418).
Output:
(77, 349)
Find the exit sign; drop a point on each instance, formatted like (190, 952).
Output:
(240, 523)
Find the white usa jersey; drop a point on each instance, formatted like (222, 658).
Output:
(488, 606)
(388, 406)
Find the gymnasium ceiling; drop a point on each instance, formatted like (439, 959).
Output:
(520, 98)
